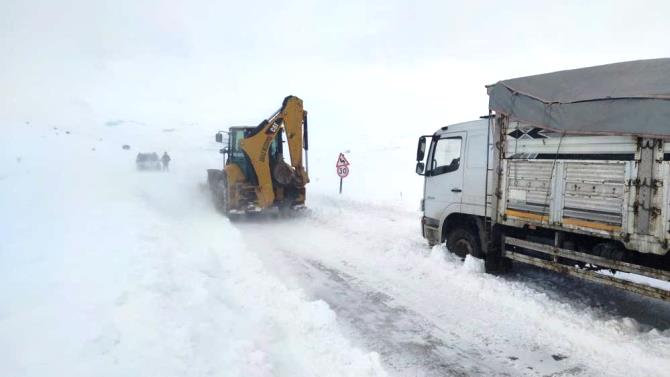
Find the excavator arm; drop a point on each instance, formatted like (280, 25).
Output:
(293, 119)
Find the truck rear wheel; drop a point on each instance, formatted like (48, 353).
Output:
(462, 241)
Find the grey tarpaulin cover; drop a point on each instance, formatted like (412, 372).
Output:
(630, 98)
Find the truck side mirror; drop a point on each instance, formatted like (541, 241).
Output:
(421, 149)
(219, 137)
(419, 168)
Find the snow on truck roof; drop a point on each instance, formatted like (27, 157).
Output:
(629, 98)
(483, 123)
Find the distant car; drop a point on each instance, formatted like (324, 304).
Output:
(148, 161)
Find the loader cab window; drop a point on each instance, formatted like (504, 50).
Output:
(235, 150)
(272, 152)
(445, 155)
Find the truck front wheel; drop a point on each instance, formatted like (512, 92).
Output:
(462, 241)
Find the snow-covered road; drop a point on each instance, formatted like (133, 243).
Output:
(427, 313)
(110, 272)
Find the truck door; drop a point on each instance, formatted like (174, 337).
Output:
(444, 175)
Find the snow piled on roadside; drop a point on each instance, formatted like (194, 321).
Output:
(110, 272)
(618, 345)
(510, 323)
(470, 264)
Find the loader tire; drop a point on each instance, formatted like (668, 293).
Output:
(220, 194)
(463, 241)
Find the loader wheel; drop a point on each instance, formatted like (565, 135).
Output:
(222, 202)
(462, 241)
(221, 195)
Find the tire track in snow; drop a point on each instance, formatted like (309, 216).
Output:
(409, 343)
(406, 341)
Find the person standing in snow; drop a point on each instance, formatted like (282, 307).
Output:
(166, 161)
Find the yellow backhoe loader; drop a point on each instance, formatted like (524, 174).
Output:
(255, 178)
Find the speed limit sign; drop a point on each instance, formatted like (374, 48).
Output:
(343, 171)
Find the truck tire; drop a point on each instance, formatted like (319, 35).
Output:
(463, 241)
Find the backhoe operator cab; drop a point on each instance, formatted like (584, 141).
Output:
(454, 185)
(233, 153)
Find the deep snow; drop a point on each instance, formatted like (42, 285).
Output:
(109, 271)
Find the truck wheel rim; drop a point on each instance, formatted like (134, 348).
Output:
(463, 246)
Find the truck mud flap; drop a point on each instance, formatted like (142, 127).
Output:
(553, 258)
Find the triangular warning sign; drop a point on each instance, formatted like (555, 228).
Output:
(342, 161)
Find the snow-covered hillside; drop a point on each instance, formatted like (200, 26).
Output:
(109, 271)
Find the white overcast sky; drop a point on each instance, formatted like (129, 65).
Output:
(397, 66)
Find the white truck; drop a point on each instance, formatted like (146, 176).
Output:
(570, 171)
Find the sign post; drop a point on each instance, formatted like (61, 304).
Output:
(342, 167)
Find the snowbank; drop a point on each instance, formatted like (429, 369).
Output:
(112, 272)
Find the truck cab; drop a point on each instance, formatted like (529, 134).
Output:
(454, 173)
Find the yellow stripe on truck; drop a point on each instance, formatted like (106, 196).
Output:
(526, 215)
(566, 221)
(591, 224)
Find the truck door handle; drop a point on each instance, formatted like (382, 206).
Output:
(455, 190)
